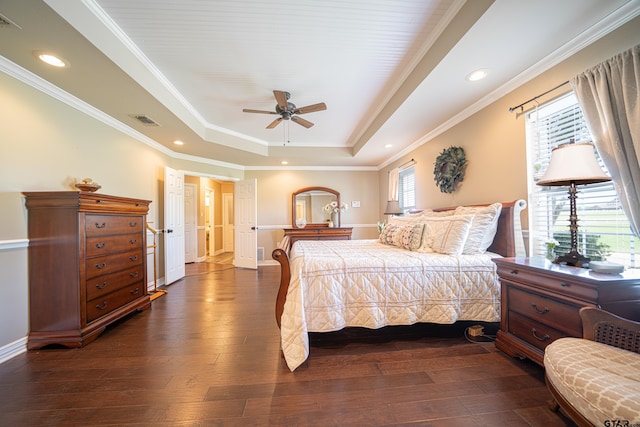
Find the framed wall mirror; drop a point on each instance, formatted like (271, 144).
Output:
(307, 204)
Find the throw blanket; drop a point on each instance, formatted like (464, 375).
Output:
(336, 284)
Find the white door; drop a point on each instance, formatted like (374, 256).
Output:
(173, 225)
(227, 222)
(190, 226)
(245, 220)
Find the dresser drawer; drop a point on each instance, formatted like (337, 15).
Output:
(545, 310)
(104, 245)
(103, 225)
(100, 306)
(551, 283)
(108, 264)
(537, 334)
(105, 284)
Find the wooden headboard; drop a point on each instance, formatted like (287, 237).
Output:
(508, 241)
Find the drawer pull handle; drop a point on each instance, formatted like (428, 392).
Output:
(134, 291)
(535, 308)
(101, 286)
(133, 224)
(133, 241)
(535, 335)
(101, 266)
(101, 245)
(564, 284)
(99, 201)
(103, 225)
(102, 306)
(133, 258)
(134, 274)
(514, 271)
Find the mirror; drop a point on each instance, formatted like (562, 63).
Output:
(307, 204)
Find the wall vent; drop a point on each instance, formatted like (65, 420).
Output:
(144, 119)
(260, 256)
(6, 23)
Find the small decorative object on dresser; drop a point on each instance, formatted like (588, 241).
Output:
(87, 184)
(540, 302)
(87, 264)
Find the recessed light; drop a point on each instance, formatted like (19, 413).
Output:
(178, 142)
(51, 59)
(284, 162)
(388, 145)
(477, 75)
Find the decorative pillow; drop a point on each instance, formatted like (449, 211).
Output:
(407, 236)
(445, 235)
(483, 228)
(388, 233)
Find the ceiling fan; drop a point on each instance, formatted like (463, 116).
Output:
(288, 110)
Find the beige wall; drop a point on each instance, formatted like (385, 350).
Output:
(274, 201)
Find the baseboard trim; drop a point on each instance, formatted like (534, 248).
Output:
(13, 349)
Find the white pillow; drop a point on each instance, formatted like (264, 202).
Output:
(445, 235)
(483, 228)
(431, 213)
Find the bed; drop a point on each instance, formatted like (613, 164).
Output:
(443, 276)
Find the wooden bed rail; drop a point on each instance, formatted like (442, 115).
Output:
(508, 242)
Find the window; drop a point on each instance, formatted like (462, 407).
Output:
(407, 189)
(603, 229)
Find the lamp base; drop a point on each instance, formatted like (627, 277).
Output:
(573, 258)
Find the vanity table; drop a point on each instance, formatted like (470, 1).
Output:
(309, 219)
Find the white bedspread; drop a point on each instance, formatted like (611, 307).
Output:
(336, 284)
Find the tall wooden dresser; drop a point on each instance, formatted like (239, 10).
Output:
(87, 264)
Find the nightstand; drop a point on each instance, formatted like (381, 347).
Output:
(540, 302)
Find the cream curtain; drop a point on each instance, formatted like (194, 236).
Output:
(394, 176)
(609, 97)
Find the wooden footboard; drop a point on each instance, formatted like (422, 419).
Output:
(285, 275)
(508, 243)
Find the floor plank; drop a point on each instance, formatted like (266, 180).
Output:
(208, 354)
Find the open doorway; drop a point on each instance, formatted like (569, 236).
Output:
(214, 241)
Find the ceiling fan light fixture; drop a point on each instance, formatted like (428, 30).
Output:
(476, 75)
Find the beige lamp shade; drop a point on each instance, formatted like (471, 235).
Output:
(573, 162)
(393, 208)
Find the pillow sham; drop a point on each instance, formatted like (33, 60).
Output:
(445, 235)
(483, 228)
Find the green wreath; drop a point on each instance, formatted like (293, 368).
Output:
(449, 168)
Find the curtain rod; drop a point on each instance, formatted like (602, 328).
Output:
(536, 97)
(404, 165)
(407, 164)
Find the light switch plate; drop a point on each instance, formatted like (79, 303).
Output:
(355, 203)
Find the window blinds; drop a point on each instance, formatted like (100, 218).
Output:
(603, 229)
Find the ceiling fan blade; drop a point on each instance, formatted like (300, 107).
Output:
(247, 110)
(301, 121)
(311, 108)
(282, 98)
(274, 123)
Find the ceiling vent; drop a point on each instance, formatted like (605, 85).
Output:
(145, 120)
(6, 23)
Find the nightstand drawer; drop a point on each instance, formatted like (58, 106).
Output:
(552, 283)
(535, 333)
(545, 310)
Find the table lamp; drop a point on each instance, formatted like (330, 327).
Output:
(573, 164)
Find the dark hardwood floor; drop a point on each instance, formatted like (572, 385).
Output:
(208, 354)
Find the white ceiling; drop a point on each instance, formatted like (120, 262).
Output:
(390, 71)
